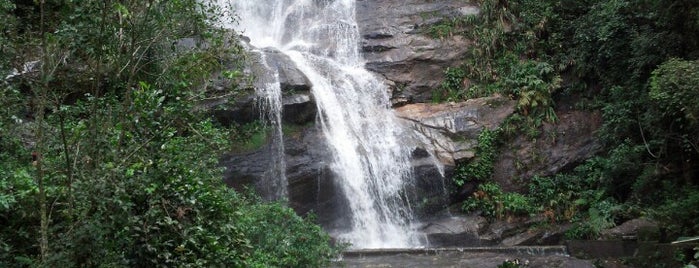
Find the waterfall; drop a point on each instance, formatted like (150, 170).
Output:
(370, 160)
(269, 100)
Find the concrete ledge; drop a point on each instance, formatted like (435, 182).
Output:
(523, 250)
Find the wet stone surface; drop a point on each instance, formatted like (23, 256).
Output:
(459, 259)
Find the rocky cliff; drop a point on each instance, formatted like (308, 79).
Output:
(398, 48)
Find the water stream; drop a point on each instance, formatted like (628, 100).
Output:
(269, 100)
(370, 159)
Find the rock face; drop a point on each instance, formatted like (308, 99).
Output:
(397, 47)
(311, 185)
(310, 182)
(451, 129)
(297, 101)
(396, 44)
(561, 146)
(291, 79)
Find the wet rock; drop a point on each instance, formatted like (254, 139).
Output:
(451, 129)
(298, 108)
(396, 44)
(291, 79)
(230, 104)
(523, 238)
(233, 110)
(311, 184)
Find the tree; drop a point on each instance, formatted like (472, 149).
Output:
(125, 169)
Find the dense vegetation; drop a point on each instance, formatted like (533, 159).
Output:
(635, 61)
(106, 160)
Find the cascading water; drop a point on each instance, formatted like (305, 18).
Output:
(370, 161)
(269, 98)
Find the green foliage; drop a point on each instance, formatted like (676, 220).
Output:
(677, 213)
(534, 83)
(492, 202)
(249, 136)
(516, 263)
(480, 168)
(587, 195)
(6, 34)
(635, 61)
(447, 27)
(674, 87)
(599, 216)
(107, 161)
(282, 238)
(451, 88)
(504, 59)
(695, 261)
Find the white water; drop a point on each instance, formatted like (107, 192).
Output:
(370, 161)
(269, 100)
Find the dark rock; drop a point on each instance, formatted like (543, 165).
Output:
(530, 257)
(397, 47)
(504, 229)
(228, 111)
(311, 185)
(291, 79)
(590, 249)
(552, 235)
(630, 229)
(430, 188)
(299, 108)
(243, 107)
(561, 146)
(526, 237)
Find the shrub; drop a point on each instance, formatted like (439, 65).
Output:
(492, 202)
(480, 168)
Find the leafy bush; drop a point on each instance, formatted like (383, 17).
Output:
(452, 87)
(677, 213)
(281, 238)
(492, 202)
(481, 168)
(673, 86)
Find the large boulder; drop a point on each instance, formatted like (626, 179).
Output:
(451, 129)
(455, 231)
(632, 229)
(396, 43)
